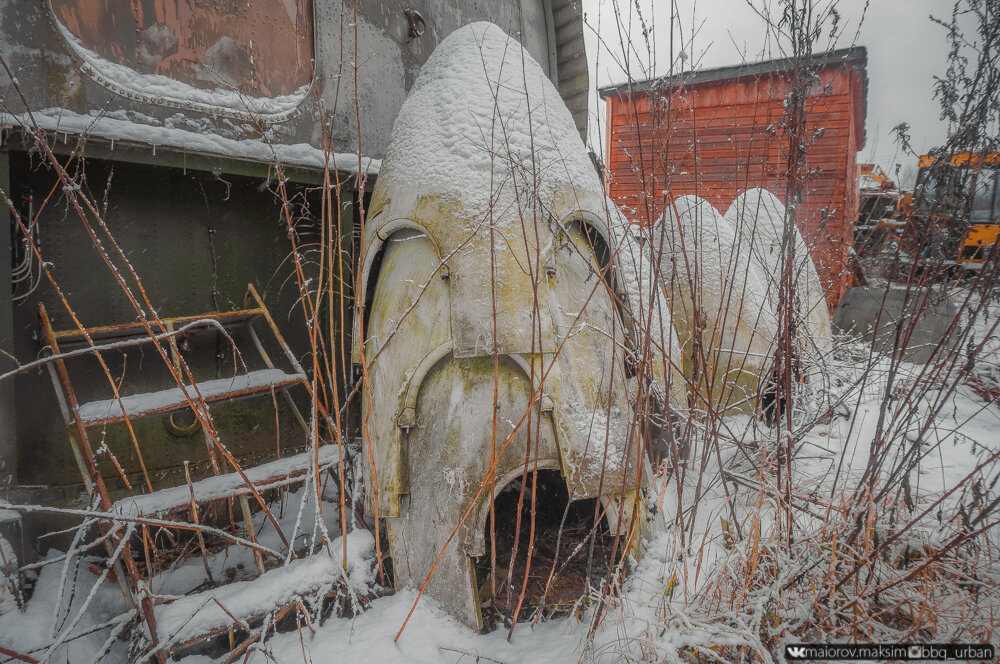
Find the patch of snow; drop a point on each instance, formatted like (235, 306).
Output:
(236, 562)
(169, 91)
(702, 241)
(197, 614)
(430, 637)
(31, 630)
(9, 562)
(220, 486)
(480, 108)
(186, 136)
(957, 440)
(7, 514)
(635, 271)
(715, 289)
(759, 220)
(152, 401)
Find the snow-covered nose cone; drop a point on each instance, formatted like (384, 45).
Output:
(719, 296)
(759, 219)
(485, 145)
(480, 243)
(481, 100)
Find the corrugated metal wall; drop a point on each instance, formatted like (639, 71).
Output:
(719, 138)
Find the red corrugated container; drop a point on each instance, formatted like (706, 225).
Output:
(716, 133)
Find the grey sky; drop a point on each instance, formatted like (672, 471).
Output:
(905, 49)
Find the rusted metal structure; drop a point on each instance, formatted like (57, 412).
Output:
(716, 133)
(185, 108)
(180, 113)
(229, 480)
(274, 69)
(262, 50)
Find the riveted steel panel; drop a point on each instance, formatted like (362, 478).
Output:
(173, 72)
(262, 48)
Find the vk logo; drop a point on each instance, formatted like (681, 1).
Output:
(795, 652)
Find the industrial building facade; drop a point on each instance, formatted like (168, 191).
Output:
(176, 118)
(716, 133)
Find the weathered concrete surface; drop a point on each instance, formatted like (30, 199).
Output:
(914, 320)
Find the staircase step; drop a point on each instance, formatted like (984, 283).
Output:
(224, 318)
(109, 411)
(195, 617)
(271, 475)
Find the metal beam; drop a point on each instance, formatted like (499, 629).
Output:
(8, 422)
(142, 153)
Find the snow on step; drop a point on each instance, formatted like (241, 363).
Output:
(119, 125)
(196, 615)
(137, 404)
(265, 476)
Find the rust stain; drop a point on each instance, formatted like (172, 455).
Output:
(262, 48)
(138, 329)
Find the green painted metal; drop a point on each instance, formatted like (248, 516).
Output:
(133, 152)
(196, 239)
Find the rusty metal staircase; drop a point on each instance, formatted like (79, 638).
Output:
(230, 482)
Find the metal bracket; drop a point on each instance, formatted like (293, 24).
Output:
(415, 24)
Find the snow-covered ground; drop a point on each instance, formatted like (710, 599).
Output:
(751, 544)
(670, 604)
